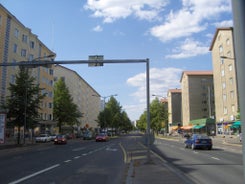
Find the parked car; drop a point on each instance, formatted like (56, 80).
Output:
(199, 141)
(60, 139)
(102, 137)
(43, 138)
(53, 136)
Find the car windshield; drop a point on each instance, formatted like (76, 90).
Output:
(60, 136)
(42, 135)
(202, 137)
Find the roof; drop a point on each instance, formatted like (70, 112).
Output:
(216, 34)
(196, 73)
(174, 90)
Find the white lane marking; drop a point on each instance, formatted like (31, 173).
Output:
(76, 157)
(34, 174)
(84, 154)
(215, 158)
(67, 161)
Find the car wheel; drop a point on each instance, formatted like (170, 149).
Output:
(186, 145)
(193, 146)
(210, 147)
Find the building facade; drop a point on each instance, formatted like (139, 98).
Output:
(174, 108)
(84, 96)
(197, 95)
(225, 79)
(18, 43)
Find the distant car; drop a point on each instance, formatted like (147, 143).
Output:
(43, 138)
(199, 141)
(87, 136)
(53, 136)
(60, 139)
(102, 137)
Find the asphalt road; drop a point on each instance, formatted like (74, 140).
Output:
(77, 162)
(221, 165)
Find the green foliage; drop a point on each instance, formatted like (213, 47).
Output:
(23, 102)
(113, 116)
(65, 111)
(158, 117)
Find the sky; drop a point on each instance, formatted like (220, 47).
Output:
(174, 34)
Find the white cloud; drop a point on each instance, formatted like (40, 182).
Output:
(225, 23)
(192, 18)
(189, 48)
(161, 80)
(98, 28)
(112, 10)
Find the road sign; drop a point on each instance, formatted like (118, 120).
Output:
(96, 60)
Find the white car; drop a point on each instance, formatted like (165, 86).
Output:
(43, 138)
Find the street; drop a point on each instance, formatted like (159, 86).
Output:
(222, 164)
(107, 162)
(77, 162)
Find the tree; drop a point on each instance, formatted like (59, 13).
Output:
(23, 102)
(65, 111)
(113, 116)
(158, 117)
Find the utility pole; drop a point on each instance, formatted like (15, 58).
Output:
(238, 9)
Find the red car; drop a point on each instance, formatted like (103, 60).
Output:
(102, 137)
(60, 139)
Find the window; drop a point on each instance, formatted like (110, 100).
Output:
(24, 38)
(224, 97)
(223, 85)
(51, 72)
(222, 72)
(232, 94)
(227, 41)
(231, 80)
(225, 110)
(229, 54)
(32, 44)
(16, 32)
(23, 52)
(233, 108)
(221, 61)
(230, 67)
(13, 61)
(220, 49)
(0, 20)
(15, 48)
(31, 57)
(12, 79)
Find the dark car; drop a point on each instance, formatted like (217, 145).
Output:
(60, 139)
(102, 137)
(199, 141)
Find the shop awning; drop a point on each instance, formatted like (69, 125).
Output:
(198, 126)
(186, 127)
(174, 127)
(237, 123)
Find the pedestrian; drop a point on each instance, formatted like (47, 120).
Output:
(240, 137)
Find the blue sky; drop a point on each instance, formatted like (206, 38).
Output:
(174, 34)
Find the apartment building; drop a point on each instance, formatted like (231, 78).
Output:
(174, 108)
(84, 96)
(225, 79)
(197, 95)
(18, 43)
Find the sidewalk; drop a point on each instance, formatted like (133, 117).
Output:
(146, 167)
